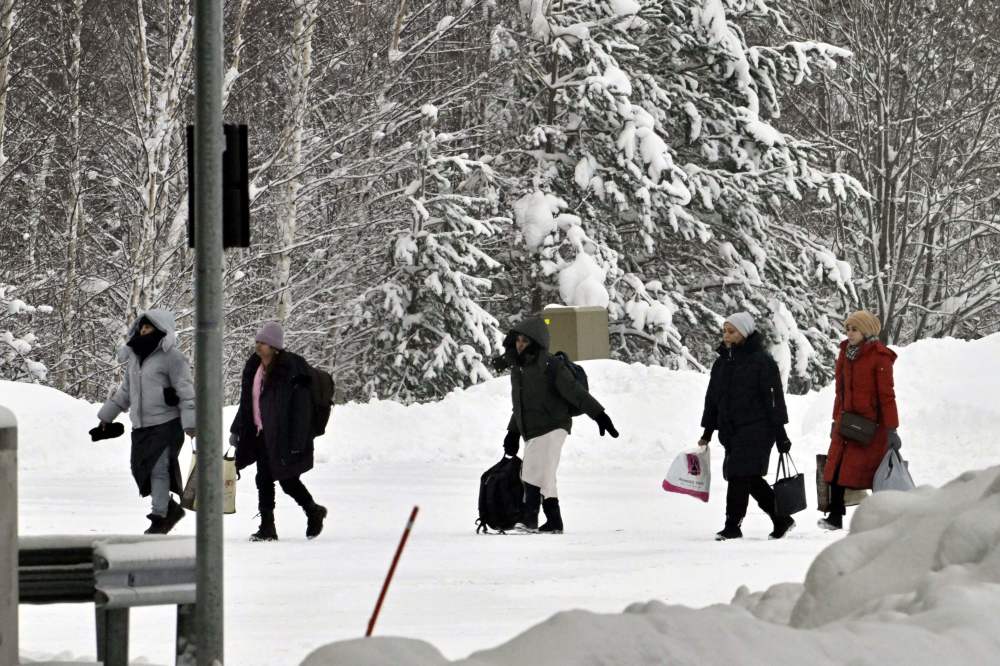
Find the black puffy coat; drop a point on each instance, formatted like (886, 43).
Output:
(286, 412)
(745, 403)
(542, 388)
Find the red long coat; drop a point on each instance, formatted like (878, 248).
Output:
(865, 387)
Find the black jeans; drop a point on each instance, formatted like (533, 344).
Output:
(294, 487)
(738, 497)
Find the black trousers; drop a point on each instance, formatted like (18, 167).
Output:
(836, 505)
(738, 494)
(294, 488)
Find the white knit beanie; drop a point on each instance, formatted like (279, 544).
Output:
(742, 322)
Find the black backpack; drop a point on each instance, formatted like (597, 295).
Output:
(501, 496)
(321, 390)
(579, 374)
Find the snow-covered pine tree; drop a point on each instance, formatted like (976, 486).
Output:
(17, 339)
(648, 122)
(429, 331)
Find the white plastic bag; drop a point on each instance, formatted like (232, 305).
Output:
(892, 473)
(690, 473)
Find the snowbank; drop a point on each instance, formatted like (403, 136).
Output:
(946, 393)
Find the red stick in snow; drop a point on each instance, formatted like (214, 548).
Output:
(392, 570)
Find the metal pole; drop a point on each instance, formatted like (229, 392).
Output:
(112, 636)
(208, 139)
(8, 537)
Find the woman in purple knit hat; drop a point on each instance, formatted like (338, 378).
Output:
(273, 428)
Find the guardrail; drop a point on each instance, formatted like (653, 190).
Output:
(116, 573)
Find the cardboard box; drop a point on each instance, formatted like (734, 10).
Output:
(581, 332)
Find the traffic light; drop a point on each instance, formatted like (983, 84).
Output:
(235, 187)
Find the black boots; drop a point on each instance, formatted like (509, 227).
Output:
(782, 526)
(314, 520)
(163, 524)
(730, 531)
(267, 532)
(833, 521)
(155, 524)
(315, 514)
(529, 518)
(553, 518)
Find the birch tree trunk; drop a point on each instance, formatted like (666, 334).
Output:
(73, 199)
(298, 101)
(35, 203)
(159, 118)
(8, 9)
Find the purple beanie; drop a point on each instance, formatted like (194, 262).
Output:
(271, 334)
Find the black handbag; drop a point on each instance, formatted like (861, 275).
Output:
(789, 489)
(857, 428)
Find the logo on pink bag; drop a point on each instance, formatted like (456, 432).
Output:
(694, 464)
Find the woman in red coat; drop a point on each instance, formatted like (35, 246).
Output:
(865, 388)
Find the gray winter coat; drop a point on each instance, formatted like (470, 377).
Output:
(542, 387)
(141, 392)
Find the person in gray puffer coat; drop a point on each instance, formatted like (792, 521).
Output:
(542, 390)
(158, 394)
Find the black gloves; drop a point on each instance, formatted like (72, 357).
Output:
(500, 363)
(170, 397)
(784, 445)
(106, 431)
(511, 443)
(604, 423)
(894, 441)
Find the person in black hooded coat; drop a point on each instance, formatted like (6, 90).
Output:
(745, 403)
(542, 390)
(273, 429)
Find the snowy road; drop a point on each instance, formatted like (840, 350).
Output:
(627, 541)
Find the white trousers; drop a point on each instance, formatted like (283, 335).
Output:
(541, 460)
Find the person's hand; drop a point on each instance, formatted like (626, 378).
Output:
(500, 363)
(190, 432)
(604, 424)
(234, 439)
(894, 441)
(784, 445)
(511, 443)
(105, 430)
(702, 442)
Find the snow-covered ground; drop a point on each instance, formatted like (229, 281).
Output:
(628, 544)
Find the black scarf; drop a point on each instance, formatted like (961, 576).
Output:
(529, 355)
(144, 345)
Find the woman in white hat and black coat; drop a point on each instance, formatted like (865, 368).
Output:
(745, 404)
